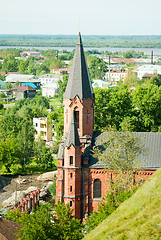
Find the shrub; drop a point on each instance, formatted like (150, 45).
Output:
(52, 189)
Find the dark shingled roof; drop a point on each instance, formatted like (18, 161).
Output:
(79, 82)
(151, 159)
(61, 151)
(9, 230)
(73, 137)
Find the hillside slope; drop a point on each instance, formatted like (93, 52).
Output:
(137, 218)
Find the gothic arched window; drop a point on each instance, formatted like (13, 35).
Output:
(97, 188)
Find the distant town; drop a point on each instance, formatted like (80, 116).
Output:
(80, 137)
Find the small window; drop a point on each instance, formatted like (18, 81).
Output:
(71, 175)
(71, 160)
(70, 203)
(76, 114)
(71, 189)
(97, 188)
(36, 124)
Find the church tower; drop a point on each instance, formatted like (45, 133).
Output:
(71, 186)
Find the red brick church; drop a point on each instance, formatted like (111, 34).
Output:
(82, 181)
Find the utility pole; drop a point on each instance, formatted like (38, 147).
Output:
(16, 195)
(109, 68)
(151, 57)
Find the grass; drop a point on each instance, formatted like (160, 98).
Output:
(55, 101)
(137, 218)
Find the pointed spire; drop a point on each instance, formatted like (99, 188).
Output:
(79, 82)
(79, 39)
(73, 137)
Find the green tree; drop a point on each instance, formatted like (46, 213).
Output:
(1, 106)
(10, 64)
(112, 106)
(43, 154)
(147, 101)
(2, 77)
(128, 54)
(52, 189)
(23, 66)
(118, 153)
(55, 64)
(8, 85)
(44, 223)
(13, 215)
(101, 107)
(132, 54)
(10, 125)
(131, 78)
(154, 80)
(42, 68)
(97, 68)
(66, 226)
(38, 225)
(25, 140)
(56, 118)
(9, 153)
(42, 102)
(62, 85)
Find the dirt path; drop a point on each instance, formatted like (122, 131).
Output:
(9, 184)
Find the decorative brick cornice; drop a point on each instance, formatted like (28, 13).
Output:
(98, 171)
(60, 179)
(72, 167)
(72, 196)
(97, 199)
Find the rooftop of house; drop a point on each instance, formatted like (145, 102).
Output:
(21, 78)
(7, 73)
(147, 67)
(100, 83)
(30, 84)
(62, 69)
(29, 52)
(52, 76)
(118, 60)
(8, 229)
(23, 88)
(148, 75)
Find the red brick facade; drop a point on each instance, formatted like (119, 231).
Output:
(69, 187)
(29, 202)
(86, 115)
(76, 180)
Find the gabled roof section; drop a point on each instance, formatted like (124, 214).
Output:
(79, 81)
(73, 137)
(150, 159)
(61, 151)
(30, 84)
(23, 88)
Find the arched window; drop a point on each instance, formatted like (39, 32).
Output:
(97, 188)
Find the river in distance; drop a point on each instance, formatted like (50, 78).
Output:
(147, 51)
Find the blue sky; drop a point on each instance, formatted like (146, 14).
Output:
(98, 17)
